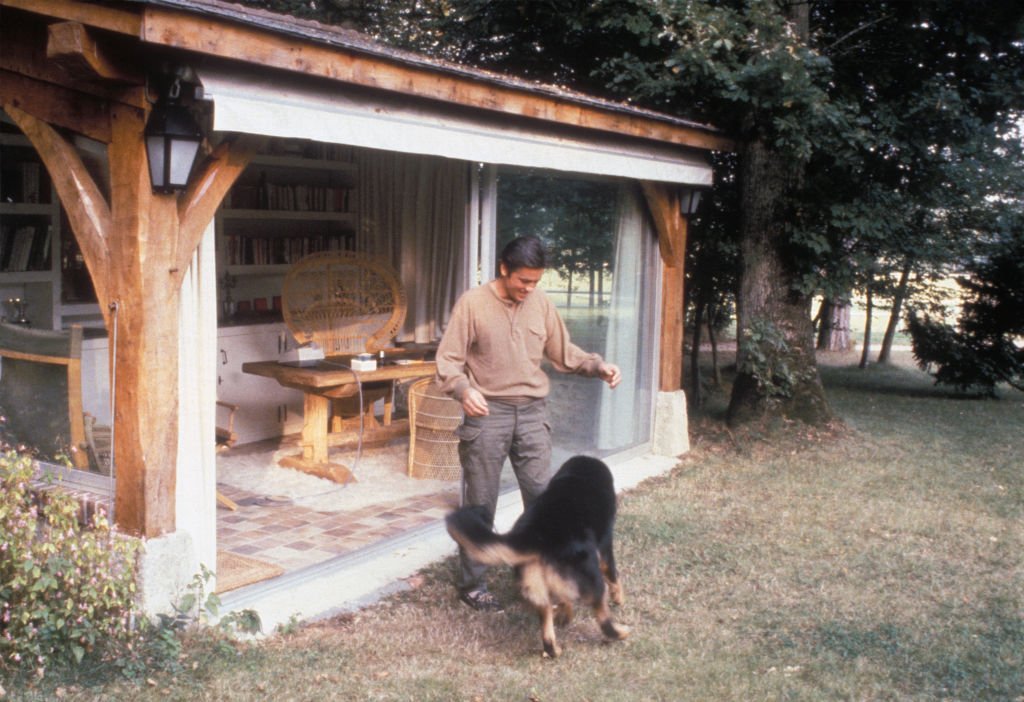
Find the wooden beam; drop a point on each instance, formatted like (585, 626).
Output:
(671, 227)
(663, 202)
(70, 45)
(218, 37)
(143, 241)
(131, 246)
(31, 74)
(56, 105)
(103, 16)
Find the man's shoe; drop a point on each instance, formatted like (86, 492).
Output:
(482, 600)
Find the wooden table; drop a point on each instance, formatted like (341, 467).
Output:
(322, 384)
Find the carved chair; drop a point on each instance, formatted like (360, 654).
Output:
(347, 303)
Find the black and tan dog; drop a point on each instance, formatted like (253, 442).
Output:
(561, 547)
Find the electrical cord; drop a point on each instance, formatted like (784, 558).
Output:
(114, 308)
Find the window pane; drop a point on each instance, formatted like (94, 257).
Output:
(599, 247)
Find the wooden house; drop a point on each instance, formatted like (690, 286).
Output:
(425, 163)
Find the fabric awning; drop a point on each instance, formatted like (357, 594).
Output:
(321, 111)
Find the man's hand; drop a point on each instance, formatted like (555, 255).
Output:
(609, 373)
(474, 403)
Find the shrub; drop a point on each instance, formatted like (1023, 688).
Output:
(67, 590)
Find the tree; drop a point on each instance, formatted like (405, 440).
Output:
(985, 348)
(849, 117)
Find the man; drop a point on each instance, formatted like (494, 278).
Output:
(490, 360)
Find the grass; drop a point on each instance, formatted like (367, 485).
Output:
(880, 559)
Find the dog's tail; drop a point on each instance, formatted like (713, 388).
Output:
(471, 529)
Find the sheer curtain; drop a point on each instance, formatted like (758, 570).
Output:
(196, 486)
(624, 417)
(413, 211)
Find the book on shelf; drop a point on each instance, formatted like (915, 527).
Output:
(20, 246)
(25, 248)
(30, 182)
(274, 251)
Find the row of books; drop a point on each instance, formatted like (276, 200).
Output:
(295, 198)
(24, 248)
(265, 251)
(23, 183)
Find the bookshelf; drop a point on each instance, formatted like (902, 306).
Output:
(39, 258)
(30, 223)
(295, 199)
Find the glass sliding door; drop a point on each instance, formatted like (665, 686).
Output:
(601, 255)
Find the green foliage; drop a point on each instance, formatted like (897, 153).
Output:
(985, 348)
(575, 219)
(66, 590)
(765, 359)
(68, 594)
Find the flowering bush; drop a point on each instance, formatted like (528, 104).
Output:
(66, 590)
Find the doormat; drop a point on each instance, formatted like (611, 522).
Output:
(235, 571)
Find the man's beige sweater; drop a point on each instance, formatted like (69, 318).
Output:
(497, 345)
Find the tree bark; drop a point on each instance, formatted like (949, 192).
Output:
(716, 371)
(769, 299)
(867, 330)
(696, 400)
(834, 334)
(885, 354)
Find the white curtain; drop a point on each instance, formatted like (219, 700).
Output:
(196, 485)
(413, 211)
(624, 417)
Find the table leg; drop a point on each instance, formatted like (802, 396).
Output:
(314, 444)
(314, 428)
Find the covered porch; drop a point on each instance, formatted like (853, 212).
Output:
(421, 133)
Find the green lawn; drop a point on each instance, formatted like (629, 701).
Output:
(880, 559)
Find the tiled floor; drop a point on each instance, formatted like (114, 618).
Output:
(295, 537)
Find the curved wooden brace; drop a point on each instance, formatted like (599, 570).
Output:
(205, 192)
(663, 202)
(86, 207)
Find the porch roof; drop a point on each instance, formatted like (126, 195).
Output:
(198, 31)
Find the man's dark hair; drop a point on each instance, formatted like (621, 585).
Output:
(523, 252)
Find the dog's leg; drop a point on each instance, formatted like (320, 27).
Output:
(563, 613)
(611, 573)
(611, 577)
(547, 632)
(609, 628)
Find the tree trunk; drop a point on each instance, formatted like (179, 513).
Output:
(769, 302)
(716, 371)
(834, 333)
(696, 399)
(885, 354)
(867, 330)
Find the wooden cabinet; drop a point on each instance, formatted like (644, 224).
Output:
(265, 409)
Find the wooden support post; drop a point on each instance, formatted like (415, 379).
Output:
(137, 246)
(670, 224)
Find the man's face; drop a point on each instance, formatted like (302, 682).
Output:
(520, 282)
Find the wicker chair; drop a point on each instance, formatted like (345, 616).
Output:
(433, 443)
(347, 303)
